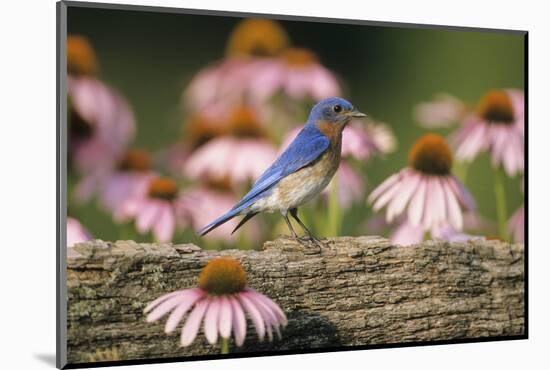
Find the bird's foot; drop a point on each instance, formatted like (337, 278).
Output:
(310, 239)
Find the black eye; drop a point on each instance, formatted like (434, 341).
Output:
(337, 108)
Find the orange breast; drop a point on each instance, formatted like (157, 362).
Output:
(332, 131)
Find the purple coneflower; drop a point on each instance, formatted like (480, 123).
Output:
(229, 156)
(133, 173)
(258, 38)
(153, 208)
(498, 127)
(427, 190)
(227, 82)
(365, 140)
(114, 185)
(298, 74)
(101, 123)
(81, 58)
(221, 301)
(443, 111)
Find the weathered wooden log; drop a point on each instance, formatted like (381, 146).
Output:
(350, 291)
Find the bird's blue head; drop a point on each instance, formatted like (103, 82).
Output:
(334, 111)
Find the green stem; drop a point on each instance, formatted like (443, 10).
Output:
(126, 232)
(334, 211)
(500, 197)
(224, 346)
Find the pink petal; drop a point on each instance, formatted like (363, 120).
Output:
(268, 315)
(255, 315)
(159, 300)
(176, 315)
(147, 215)
(389, 182)
(428, 204)
(516, 224)
(388, 196)
(274, 307)
(438, 206)
(239, 321)
(416, 206)
(225, 317)
(85, 188)
(398, 203)
(170, 303)
(407, 234)
(165, 224)
(454, 213)
(211, 320)
(191, 327)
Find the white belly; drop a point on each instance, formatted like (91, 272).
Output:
(299, 187)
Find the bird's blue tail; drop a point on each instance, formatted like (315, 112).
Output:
(219, 221)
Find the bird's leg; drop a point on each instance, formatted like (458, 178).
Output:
(285, 215)
(294, 213)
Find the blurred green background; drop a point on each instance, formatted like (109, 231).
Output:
(150, 58)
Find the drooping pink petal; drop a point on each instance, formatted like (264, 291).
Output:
(211, 320)
(255, 315)
(388, 183)
(516, 224)
(238, 322)
(167, 305)
(267, 313)
(387, 196)
(164, 226)
(416, 207)
(407, 234)
(176, 315)
(192, 325)
(226, 317)
(281, 317)
(454, 214)
(470, 140)
(229, 157)
(147, 215)
(159, 300)
(429, 201)
(397, 205)
(438, 205)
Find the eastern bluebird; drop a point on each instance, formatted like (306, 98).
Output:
(302, 171)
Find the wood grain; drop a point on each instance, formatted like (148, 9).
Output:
(350, 291)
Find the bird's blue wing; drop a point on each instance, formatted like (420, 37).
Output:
(308, 145)
(306, 148)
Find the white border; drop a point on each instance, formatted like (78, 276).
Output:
(28, 186)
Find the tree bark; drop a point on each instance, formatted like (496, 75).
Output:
(349, 291)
